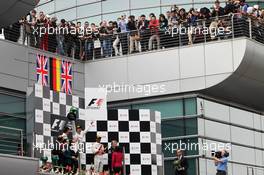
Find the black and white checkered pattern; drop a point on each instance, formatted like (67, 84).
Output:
(137, 131)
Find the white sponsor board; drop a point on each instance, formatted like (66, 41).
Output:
(95, 104)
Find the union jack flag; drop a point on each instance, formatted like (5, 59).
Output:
(66, 77)
(42, 70)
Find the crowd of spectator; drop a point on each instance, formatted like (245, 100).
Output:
(126, 35)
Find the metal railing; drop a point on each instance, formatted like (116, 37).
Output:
(11, 141)
(255, 170)
(96, 46)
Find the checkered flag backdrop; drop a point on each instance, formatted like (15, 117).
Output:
(137, 131)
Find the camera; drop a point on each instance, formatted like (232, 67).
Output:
(218, 154)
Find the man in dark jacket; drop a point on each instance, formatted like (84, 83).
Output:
(71, 158)
(144, 33)
(180, 163)
(217, 9)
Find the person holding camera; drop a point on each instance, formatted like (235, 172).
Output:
(221, 162)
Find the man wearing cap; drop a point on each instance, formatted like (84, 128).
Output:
(253, 11)
(98, 150)
(256, 10)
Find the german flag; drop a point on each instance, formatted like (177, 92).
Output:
(55, 74)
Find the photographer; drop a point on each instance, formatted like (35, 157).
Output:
(221, 159)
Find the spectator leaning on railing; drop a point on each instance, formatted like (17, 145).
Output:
(116, 39)
(143, 25)
(163, 21)
(154, 30)
(133, 34)
(122, 23)
(123, 36)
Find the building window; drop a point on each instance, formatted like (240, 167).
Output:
(177, 2)
(64, 4)
(179, 127)
(47, 8)
(81, 2)
(190, 107)
(110, 6)
(114, 16)
(68, 15)
(168, 109)
(12, 121)
(121, 107)
(171, 109)
(12, 105)
(89, 10)
(146, 12)
(144, 4)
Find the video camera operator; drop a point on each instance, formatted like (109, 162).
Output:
(221, 159)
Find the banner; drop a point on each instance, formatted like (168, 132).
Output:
(55, 74)
(42, 70)
(95, 104)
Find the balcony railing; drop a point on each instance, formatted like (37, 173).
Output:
(255, 171)
(97, 46)
(11, 141)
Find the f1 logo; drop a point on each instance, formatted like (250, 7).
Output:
(96, 102)
(58, 124)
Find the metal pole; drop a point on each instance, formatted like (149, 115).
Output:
(163, 167)
(33, 151)
(250, 28)
(22, 147)
(247, 171)
(233, 30)
(204, 25)
(128, 42)
(197, 166)
(180, 43)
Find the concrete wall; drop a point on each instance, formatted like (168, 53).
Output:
(242, 130)
(17, 68)
(14, 165)
(185, 69)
